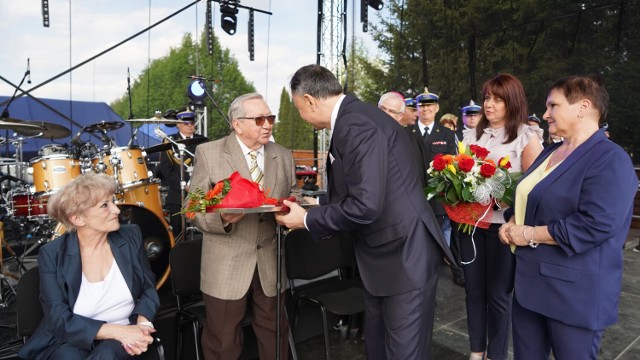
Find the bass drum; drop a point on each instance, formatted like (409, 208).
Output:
(156, 236)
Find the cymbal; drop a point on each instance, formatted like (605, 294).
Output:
(167, 145)
(104, 126)
(46, 130)
(13, 124)
(156, 120)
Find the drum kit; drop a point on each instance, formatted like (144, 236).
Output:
(138, 195)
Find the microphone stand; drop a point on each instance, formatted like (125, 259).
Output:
(182, 149)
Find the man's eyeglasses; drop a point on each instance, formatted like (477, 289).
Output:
(260, 119)
(188, 123)
(384, 108)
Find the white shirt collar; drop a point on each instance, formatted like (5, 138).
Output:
(423, 126)
(245, 149)
(334, 113)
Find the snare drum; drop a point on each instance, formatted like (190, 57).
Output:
(50, 173)
(23, 204)
(146, 196)
(130, 163)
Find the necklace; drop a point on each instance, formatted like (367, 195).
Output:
(559, 155)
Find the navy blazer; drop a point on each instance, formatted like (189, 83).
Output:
(587, 203)
(60, 270)
(375, 193)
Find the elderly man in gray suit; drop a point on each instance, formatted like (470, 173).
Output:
(238, 250)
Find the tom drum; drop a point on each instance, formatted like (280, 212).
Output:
(52, 172)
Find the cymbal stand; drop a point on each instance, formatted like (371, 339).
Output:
(4, 300)
(17, 143)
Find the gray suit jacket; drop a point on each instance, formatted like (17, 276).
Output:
(230, 259)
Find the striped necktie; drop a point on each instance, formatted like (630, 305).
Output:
(256, 173)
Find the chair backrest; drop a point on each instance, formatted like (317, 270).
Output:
(185, 258)
(308, 259)
(28, 308)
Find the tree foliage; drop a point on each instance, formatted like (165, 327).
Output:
(453, 46)
(162, 84)
(291, 131)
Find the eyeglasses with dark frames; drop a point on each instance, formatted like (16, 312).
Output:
(260, 119)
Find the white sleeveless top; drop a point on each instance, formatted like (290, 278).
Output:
(109, 300)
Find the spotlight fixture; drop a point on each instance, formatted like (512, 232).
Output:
(250, 34)
(228, 19)
(45, 13)
(376, 4)
(196, 92)
(364, 11)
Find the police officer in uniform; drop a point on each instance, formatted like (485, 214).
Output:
(410, 115)
(168, 170)
(436, 139)
(471, 114)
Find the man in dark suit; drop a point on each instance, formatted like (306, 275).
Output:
(168, 169)
(374, 193)
(436, 139)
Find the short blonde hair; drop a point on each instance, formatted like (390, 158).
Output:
(78, 196)
(449, 119)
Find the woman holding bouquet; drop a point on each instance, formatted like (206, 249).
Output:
(568, 233)
(502, 130)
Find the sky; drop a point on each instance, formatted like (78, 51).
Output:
(80, 30)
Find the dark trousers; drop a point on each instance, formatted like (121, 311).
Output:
(104, 350)
(222, 334)
(535, 335)
(488, 288)
(400, 326)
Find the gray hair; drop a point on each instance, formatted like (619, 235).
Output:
(78, 196)
(236, 109)
(392, 95)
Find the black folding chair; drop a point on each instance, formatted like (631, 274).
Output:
(317, 262)
(29, 311)
(185, 258)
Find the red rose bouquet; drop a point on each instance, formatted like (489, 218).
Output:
(232, 192)
(468, 184)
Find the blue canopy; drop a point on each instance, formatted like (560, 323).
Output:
(81, 113)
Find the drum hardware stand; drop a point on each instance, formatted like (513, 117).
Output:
(4, 301)
(182, 149)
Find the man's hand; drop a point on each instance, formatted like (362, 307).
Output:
(294, 219)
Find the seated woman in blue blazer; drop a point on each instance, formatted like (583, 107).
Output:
(572, 214)
(97, 288)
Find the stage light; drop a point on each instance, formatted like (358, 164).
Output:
(196, 92)
(45, 13)
(251, 42)
(376, 4)
(228, 19)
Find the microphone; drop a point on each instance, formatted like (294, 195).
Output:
(28, 71)
(77, 137)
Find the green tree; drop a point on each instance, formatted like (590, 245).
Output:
(162, 84)
(291, 131)
(453, 46)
